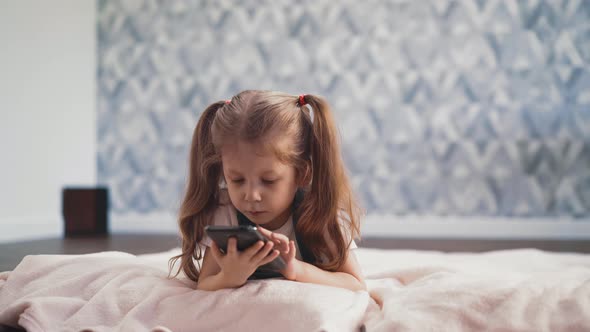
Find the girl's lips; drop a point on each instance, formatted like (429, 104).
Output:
(255, 213)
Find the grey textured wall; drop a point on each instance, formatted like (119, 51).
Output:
(445, 107)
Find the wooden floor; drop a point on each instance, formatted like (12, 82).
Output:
(12, 253)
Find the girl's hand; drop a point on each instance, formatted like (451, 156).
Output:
(288, 251)
(236, 266)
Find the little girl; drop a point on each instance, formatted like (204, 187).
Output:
(271, 160)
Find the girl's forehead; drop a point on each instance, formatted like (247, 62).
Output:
(268, 146)
(249, 154)
(255, 148)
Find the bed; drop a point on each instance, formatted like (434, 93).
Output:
(511, 290)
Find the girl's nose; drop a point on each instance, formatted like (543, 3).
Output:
(253, 194)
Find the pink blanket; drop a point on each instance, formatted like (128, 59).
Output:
(521, 290)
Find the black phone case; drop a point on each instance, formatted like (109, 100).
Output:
(246, 236)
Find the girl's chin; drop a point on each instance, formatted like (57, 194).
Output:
(257, 217)
(271, 225)
(265, 219)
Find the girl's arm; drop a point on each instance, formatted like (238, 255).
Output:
(348, 276)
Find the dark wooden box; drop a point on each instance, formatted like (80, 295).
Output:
(85, 211)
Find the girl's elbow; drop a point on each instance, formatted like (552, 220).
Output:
(359, 284)
(362, 285)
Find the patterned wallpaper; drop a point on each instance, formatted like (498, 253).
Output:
(445, 107)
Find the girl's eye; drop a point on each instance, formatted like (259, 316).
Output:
(237, 181)
(268, 181)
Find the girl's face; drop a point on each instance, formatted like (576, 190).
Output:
(259, 185)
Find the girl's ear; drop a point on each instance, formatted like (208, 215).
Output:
(305, 176)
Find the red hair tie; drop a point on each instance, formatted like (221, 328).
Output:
(228, 101)
(302, 100)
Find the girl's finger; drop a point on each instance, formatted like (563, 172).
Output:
(217, 254)
(280, 237)
(270, 257)
(250, 252)
(282, 242)
(292, 249)
(265, 232)
(232, 246)
(263, 252)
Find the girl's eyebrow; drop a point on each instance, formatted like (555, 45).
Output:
(233, 171)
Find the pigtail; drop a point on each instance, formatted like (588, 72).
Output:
(201, 194)
(329, 205)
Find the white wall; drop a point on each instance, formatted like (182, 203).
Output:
(47, 111)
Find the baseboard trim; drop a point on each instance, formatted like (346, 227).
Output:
(14, 229)
(474, 227)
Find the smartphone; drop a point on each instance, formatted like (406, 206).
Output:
(246, 236)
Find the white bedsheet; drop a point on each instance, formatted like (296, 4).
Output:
(518, 290)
